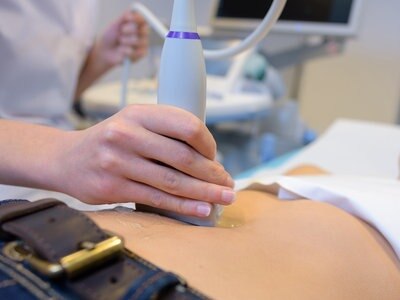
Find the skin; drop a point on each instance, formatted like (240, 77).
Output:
(126, 37)
(151, 154)
(265, 248)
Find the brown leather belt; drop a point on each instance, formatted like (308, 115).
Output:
(65, 245)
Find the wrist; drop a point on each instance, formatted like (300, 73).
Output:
(95, 66)
(53, 167)
(97, 63)
(31, 155)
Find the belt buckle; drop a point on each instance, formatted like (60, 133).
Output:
(72, 265)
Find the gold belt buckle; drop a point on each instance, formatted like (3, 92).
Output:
(91, 255)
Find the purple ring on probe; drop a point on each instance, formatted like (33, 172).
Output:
(183, 35)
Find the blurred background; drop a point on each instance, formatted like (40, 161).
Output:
(325, 60)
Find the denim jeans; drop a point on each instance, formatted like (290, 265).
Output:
(18, 280)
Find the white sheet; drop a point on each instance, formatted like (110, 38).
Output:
(16, 192)
(351, 147)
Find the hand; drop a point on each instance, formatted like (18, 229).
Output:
(125, 37)
(151, 154)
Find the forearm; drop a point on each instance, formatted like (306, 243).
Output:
(92, 70)
(30, 155)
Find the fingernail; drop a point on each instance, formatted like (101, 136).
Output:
(231, 182)
(203, 210)
(228, 196)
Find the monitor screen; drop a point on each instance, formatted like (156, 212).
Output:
(327, 17)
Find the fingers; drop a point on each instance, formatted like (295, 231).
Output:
(144, 194)
(134, 17)
(177, 124)
(111, 189)
(163, 145)
(134, 35)
(176, 183)
(181, 157)
(127, 37)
